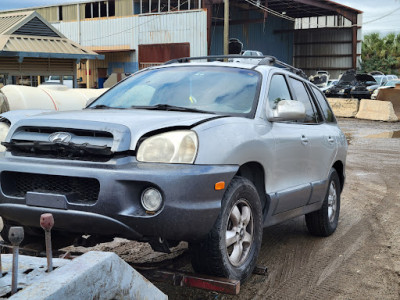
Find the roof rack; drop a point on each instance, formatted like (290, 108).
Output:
(267, 60)
(271, 61)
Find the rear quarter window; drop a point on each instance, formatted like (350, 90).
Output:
(326, 110)
(303, 96)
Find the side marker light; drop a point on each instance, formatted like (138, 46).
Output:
(219, 186)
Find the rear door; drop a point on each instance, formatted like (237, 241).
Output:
(321, 138)
(329, 137)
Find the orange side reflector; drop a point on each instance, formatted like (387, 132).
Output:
(219, 186)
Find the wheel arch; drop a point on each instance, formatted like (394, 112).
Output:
(339, 167)
(255, 172)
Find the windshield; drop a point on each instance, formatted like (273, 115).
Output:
(378, 79)
(220, 90)
(392, 83)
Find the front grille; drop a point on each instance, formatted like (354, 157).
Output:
(86, 145)
(59, 151)
(76, 189)
(77, 132)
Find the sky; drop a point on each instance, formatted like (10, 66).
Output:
(379, 16)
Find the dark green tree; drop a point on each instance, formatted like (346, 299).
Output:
(381, 53)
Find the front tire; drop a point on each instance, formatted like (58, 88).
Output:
(324, 221)
(231, 248)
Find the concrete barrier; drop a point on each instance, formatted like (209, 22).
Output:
(392, 95)
(346, 108)
(376, 110)
(94, 275)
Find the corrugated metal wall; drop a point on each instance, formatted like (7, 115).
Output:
(49, 13)
(36, 66)
(274, 37)
(129, 32)
(70, 12)
(122, 8)
(156, 54)
(327, 49)
(180, 27)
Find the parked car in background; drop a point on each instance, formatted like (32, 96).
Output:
(320, 79)
(387, 85)
(380, 79)
(329, 84)
(252, 57)
(391, 77)
(365, 85)
(204, 152)
(66, 80)
(343, 87)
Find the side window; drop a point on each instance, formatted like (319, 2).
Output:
(278, 90)
(303, 96)
(326, 110)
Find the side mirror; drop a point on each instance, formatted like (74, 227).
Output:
(288, 110)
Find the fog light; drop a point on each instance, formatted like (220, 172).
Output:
(151, 199)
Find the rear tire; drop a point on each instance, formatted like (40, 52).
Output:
(324, 221)
(231, 248)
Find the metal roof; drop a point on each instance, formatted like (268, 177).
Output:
(300, 8)
(310, 8)
(6, 21)
(27, 34)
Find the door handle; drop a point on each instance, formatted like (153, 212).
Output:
(331, 140)
(304, 139)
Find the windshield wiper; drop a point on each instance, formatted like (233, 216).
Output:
(100, 106)
(171, 108)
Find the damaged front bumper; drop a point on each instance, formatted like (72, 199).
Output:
(33, 186)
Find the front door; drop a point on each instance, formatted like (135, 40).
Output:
(289, 181)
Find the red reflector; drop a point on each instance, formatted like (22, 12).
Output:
(231, 287)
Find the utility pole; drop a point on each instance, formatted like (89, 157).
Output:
(226, 27)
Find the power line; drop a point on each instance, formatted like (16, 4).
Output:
(381, 17)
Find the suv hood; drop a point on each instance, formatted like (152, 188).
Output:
(126, 126)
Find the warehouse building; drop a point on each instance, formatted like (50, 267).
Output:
(132, 34)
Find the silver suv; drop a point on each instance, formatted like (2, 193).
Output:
(204, 152)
